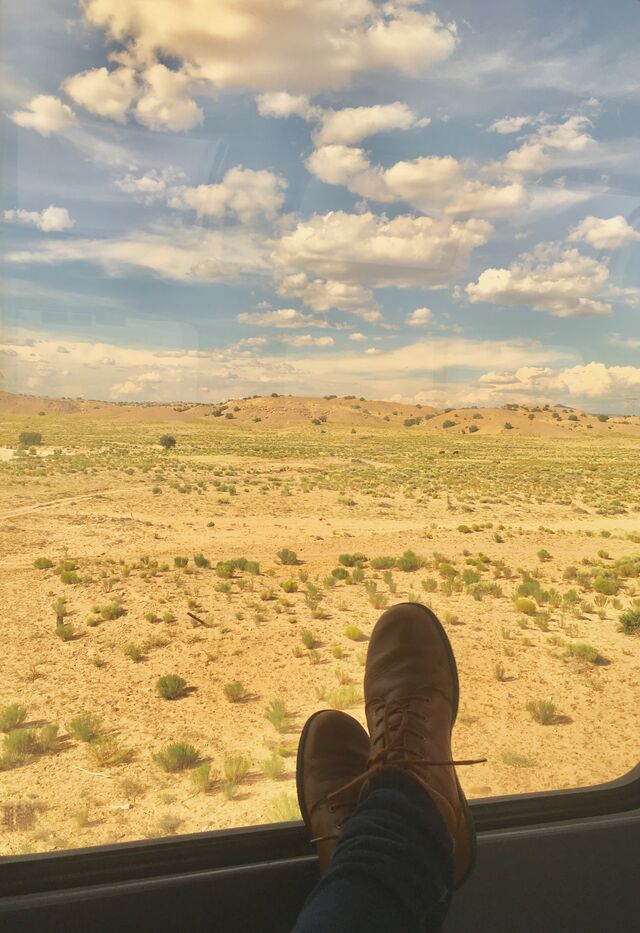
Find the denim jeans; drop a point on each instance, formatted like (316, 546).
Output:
(392, 870)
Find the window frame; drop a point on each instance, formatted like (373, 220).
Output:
(233, 848)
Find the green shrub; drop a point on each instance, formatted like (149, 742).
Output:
(409, 562)
(583, 651)
(112, 610)
(352, 560)
(69, 577)
(544, 555)
(47, 738)
(542, 711)
(287, 557)
(42, 563)
(525, 605)
(236, 768)
(85, 727)
(177, 757)
(65, 632)
(337, 652)
(133, 652)
(20, 743)
(203, 777)
(30, 439)
(448, 423)
(430, 585)
(273, 766)
(344, 696)
(12, 716)
(171, 686)
(284, 808)
(383, 563)
(276, 714)
(354, 633)
(605, 586)
(181, 561)
(201, 561)
(473, 428)
(234, 691)
(339, 573)
(289, 586)
(630, 621)
(167, 441)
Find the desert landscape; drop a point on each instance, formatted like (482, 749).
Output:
(184, 584)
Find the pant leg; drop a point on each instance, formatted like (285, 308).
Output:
(392, 871)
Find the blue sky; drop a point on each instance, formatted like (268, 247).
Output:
(435, 203)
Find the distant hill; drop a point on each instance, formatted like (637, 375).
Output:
(283, 411)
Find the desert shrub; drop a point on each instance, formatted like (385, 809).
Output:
(583, 651)
(42, 563)
(276, 714)
(308, 638)
(409, 562)
(354, 633)
(69, 577)
(337, 652)
(273, 766)
(630, 621)
(85, 727)
(525, 605)
(383, 563)
(167, 441)
(339, 573)
(106, 751)
(12, 716)
(287, 557)
(168, 617)
(236, 768)
(352, 560)
(65, 631)
(542, 711)
(499, 672)
(606, 586)
(171, 686)
(112, 610)
(377, 600)
(289, 586)
(47, 738)
(430, 585)
(357, 575)
(234, 691)
(284, 808)
(543, 554)
(133, 652)
(177, 756)
(448, 423)
(203, 777)
(181, 561)
(344, 696)
(201, 561)
(508, 426)
(30, 439)
(470, 576)
(20, 743)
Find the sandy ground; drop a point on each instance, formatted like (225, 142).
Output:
(379, 492)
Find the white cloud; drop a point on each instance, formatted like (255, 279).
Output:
(182, 254)
(357, 337)
(283, 317)
(605, 232)
(325, 295)
(282, 104)
(430, 183)
(626, 343)
(371, 250)
(297, 47)
(149, 187)
(420, 317)
(51, 219)
(103, 92)
(585, 380)
(242, 191)
(306, 340)
(351, 124)
(164, 104)
(562, 283)
(507, 125)
(45, 114)
(253, 342)
(536, 153)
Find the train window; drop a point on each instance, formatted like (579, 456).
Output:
(310, 308)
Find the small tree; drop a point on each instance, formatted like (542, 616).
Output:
(167, 441)
(30, 438)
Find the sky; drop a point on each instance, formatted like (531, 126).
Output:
(435, 203)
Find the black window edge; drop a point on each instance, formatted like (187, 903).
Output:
(219, 849)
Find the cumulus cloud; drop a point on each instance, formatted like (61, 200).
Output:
(45, 114)
(605, 232)
(328, 294)
(420, 317)
(300, 48)
(430, 183)
(282, 104)
(351, 124)
(535, 153)
(585, 380)
(357, 337)
(507, 125)
(150, 187)
(307, 340)
(242, 191)
(164, 104)
(51, 219)
(561, 282)
(371, 250)
(103, 92)
(283, 317)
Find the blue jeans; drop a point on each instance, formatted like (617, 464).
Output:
(392, 870)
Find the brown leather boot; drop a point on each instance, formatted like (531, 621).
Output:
(411, 697)
(333, 751)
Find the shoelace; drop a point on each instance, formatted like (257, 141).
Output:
(394, 752)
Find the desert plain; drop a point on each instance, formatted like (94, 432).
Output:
(173, 614)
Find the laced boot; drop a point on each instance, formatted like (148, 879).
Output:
(333, 750)
(411, 701)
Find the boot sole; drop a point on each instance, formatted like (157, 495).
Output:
(456, 697)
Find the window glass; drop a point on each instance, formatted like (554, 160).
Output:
(307, 309)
